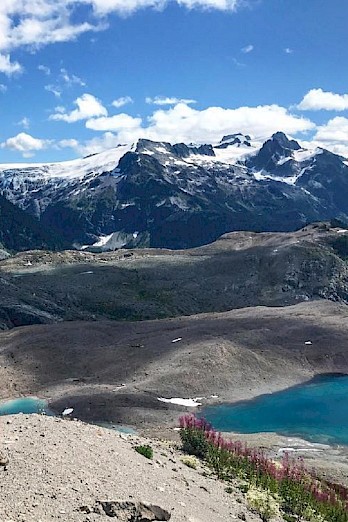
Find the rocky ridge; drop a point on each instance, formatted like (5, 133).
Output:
(239, 270)
(180, 196)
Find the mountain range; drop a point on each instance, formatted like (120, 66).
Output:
(154, 194)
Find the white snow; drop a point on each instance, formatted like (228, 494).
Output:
(283, 160)
(263, 175)
(97, 164)
(192, 403)
(103, 240)
(288, 450)
(306, 154)
(67, 411)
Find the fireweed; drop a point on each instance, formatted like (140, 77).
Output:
(300, 493)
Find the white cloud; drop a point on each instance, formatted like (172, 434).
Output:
(184, 123)
(46, 70)
(119, 122)
(88, 106)
(71, 79)
(104, 7)
(247, 49)
(317, 99)
(25, 144)
(237, 63)
(24, 122)
(333, 136)
(3, 88)
(54, 89)
(108, 140)
(70, 143)
(8, 67)
(35, 23)
(168, 100)
(287, 50)
(123, 100)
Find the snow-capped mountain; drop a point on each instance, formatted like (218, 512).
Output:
(177, 196)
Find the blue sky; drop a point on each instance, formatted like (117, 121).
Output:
(77, 77)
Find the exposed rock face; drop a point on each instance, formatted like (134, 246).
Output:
(129, 511)
(181, 196)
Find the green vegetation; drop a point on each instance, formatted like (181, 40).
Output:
(190, 462)
(145, 451)
(272, 488)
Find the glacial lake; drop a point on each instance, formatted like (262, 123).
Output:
(28, 405)
(24, 405)
(316, 411)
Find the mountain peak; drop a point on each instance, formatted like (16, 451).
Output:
(234, 139)
(284, 141)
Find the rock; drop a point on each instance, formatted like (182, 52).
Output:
(129, 511)
(3, 460)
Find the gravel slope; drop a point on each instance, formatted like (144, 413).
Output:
(58, 466)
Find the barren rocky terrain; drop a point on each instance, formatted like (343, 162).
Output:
(224, 322)
(73, 472)
(241, 269)
(116, 371)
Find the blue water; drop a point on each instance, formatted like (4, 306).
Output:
(316, 411)
(24, 405)
(29, 405)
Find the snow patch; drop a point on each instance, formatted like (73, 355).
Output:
(191, 403)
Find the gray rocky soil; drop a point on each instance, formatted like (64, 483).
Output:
(62, 470)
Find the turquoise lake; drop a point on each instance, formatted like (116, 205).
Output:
(29, 405)
(316, 411)
(24, 405)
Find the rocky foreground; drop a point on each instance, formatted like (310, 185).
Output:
(74, 472)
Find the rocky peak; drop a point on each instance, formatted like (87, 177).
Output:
(283, 141)
(234, 139)
(274, 153)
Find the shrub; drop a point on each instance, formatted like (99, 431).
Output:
(146, 451)
(263, 503)
(190, 462)
(269, 485)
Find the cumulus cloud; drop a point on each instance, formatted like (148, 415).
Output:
(129, 6)
(247, 49)
(168, 100)
(8, 67)
(25, 144)
(88, 106)
(317, 99)
(184, 123)
(119, 122)
(123, 100)
(34, 23)
(334, 135)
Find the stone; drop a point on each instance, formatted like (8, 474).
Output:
(129, 511)
(3, 460)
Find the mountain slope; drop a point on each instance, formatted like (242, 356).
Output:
(181, 196)
(21, 231)
(240, 269)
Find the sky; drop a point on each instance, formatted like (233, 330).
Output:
(81, 76)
